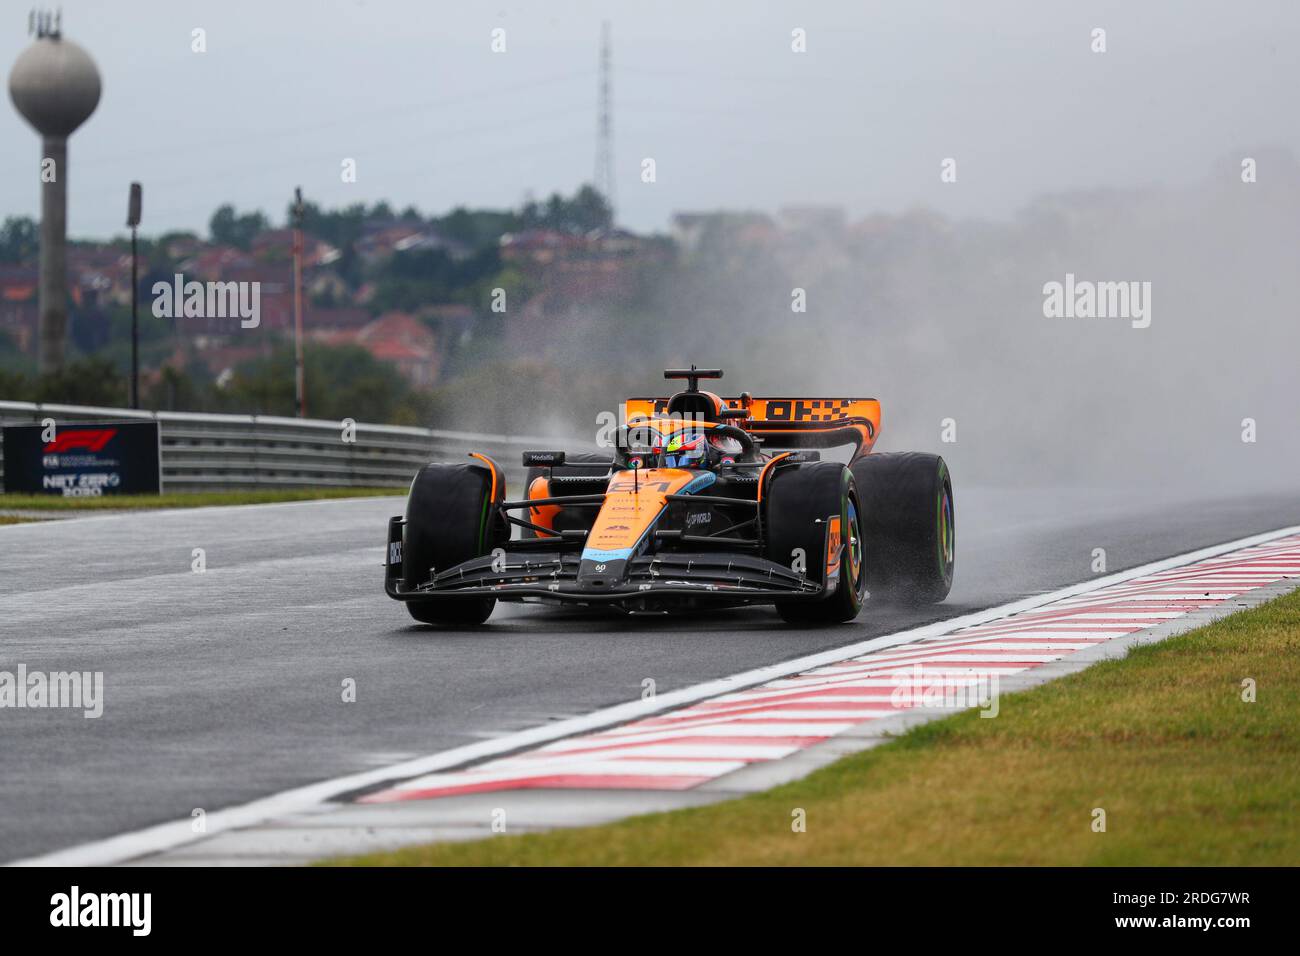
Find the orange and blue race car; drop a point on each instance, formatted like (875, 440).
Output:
(704, 500)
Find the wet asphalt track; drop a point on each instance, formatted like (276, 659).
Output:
(226, 686)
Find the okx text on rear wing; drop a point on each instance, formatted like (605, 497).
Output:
(783, 423)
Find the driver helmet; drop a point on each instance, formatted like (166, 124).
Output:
(685, 450)
(726, 445)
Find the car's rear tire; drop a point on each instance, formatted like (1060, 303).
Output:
(798, 502)
(451, 518)
(910, 525)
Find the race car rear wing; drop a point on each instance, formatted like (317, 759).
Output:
(789, 422)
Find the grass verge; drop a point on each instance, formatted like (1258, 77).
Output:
(1186, 771)
(185, 499)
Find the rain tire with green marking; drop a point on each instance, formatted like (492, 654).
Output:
(798, 502)
(910, 525)
(450, 519)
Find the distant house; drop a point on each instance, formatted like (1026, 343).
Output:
(451, 322)
(183, 246)
(540, 246)
(212, 262)
(428, 239)
(825, 222)
(222, 359)
(275, 244)
(326, 284)
(690, 230)
(406, 342)
(381, 241)
(365, 293)
(452, 313)
(19, 311)
(18, 283)
(100, 276)
(345, 319)
(336, 326)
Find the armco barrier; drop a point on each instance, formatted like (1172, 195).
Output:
(215, 452)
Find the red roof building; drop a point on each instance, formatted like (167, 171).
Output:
(406, 342)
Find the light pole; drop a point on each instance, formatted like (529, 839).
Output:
(133, 220)
(300, 390)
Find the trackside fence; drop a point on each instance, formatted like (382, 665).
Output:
(202, 452)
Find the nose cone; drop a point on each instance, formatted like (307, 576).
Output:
(55, 85)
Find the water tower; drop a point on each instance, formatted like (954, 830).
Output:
(55, 86)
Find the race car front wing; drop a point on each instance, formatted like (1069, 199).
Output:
(518, 572)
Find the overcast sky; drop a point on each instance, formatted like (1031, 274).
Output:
(411, 90)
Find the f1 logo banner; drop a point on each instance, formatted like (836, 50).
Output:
(83, 459)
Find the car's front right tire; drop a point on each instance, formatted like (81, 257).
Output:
(799, 502)
(452, 611)
(451, 518)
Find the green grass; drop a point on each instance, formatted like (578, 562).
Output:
(184, 499)
(10, 519)
(1187, 773)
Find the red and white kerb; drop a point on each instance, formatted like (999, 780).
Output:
(687, 747)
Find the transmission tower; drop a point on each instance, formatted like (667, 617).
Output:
(604, 176)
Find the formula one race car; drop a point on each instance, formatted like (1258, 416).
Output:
(704, 500)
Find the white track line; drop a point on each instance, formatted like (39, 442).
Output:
(191, 511)
(165, 836)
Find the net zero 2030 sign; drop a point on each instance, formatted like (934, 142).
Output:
(82, 459)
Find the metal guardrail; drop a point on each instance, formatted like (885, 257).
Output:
(216, 452)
